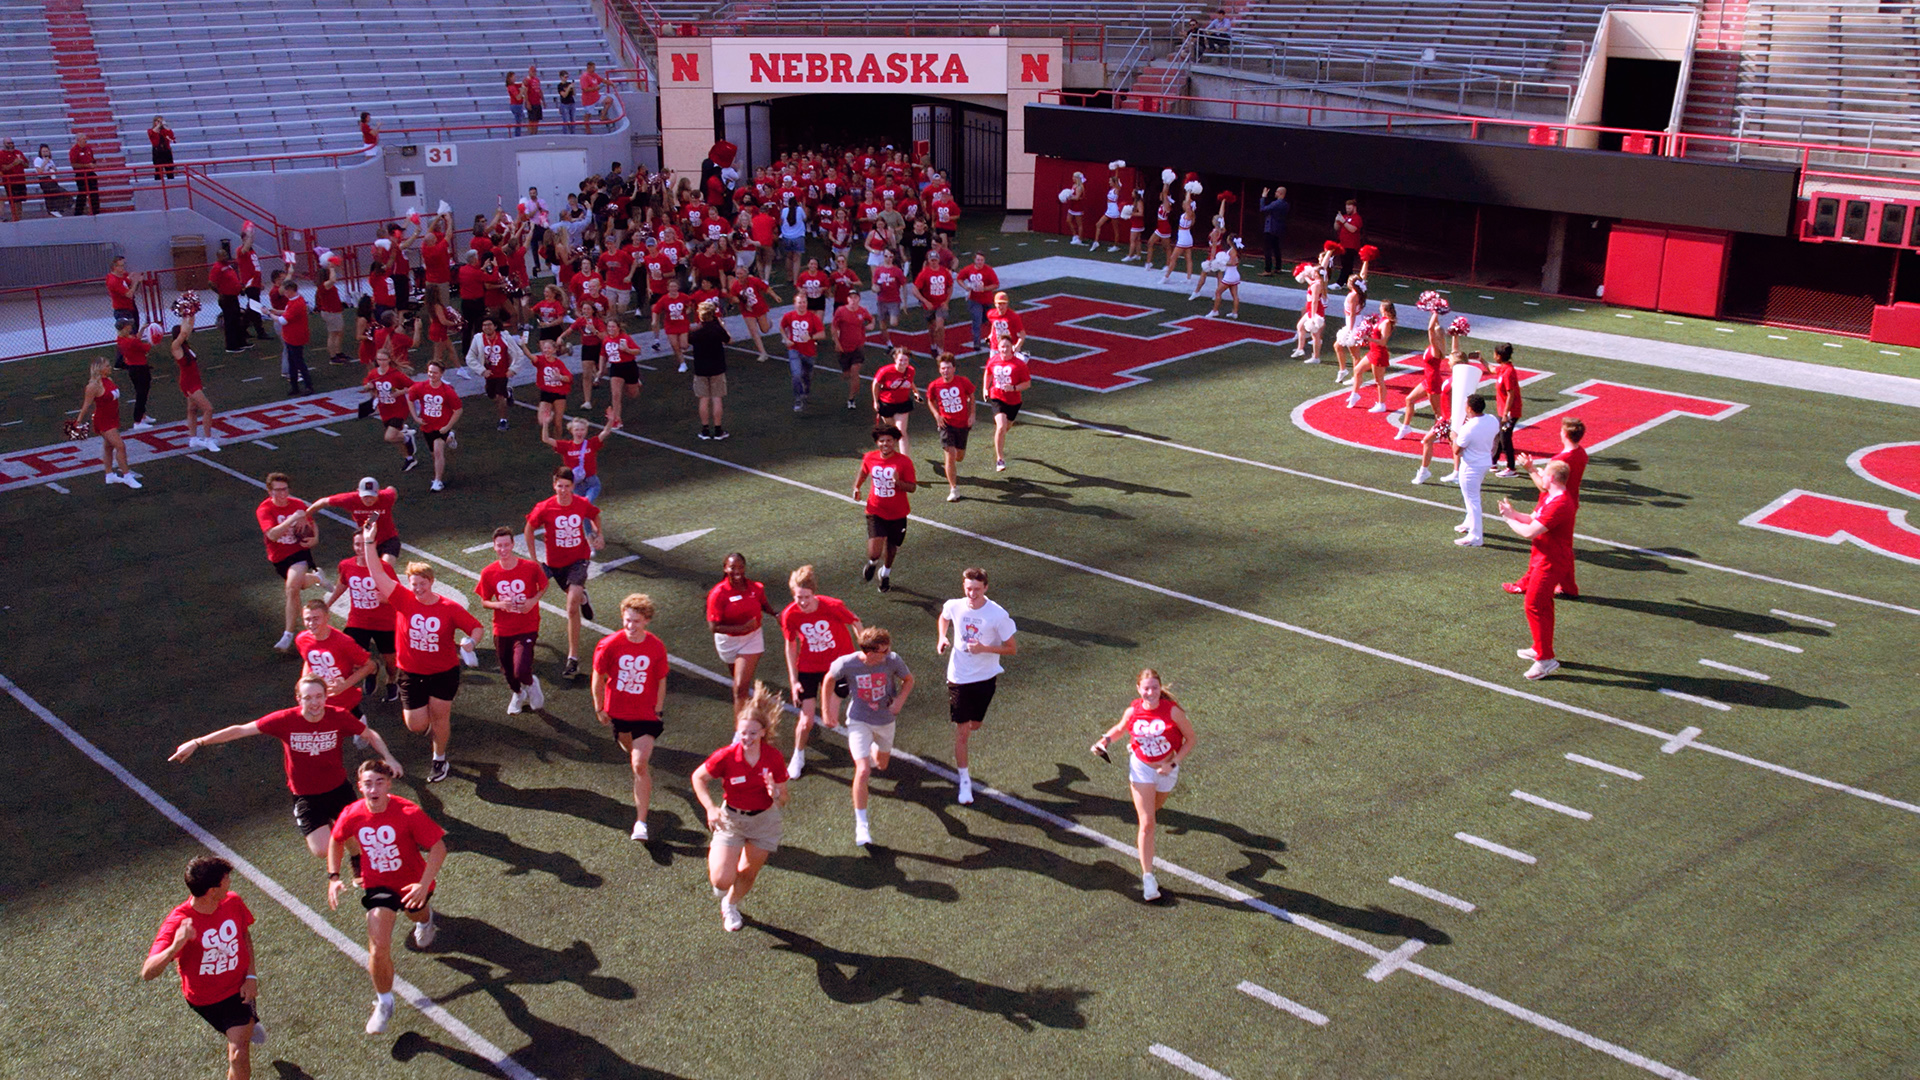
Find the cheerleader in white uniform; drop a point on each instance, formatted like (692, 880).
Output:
(1135, 214)
(1075, 199)
(1229, 263)
(1347, 343)
(1313, 314)
(1209, 266)
(1183, 237)
(1116, 198)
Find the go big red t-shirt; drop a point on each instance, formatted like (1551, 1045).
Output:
(824, 633)
(423, 633)
(313, 750)
(393, 843)
(566, 528)
(365, 609)
(216, 961)
(526, 581)
(333, 659)
(630, 669)
(885, 499)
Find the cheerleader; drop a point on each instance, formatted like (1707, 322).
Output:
(1229, 263)
(1162, 228)
(101, 404)
(1183, 239)
(1376, 342)
(1313, 314)
(199, 409)
(1116, 198)
(1075, 199)
(1433, 368)
(1346, 343)
(1135, 214)
(1216, 246)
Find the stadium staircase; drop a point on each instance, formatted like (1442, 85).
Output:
(1713, 87)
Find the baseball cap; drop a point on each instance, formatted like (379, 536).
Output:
(369, 486)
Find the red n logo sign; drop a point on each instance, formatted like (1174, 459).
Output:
(686, 67)
(1033, 67)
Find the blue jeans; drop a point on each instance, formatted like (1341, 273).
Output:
(567, 115)
(519, 116)
(589, 488)
(800, 366)
(979, 313)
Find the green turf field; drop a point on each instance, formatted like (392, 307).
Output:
(1350, 673)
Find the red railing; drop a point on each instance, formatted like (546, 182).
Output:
(75, 314)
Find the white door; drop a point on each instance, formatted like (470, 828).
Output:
(557, 173)
(409, 193)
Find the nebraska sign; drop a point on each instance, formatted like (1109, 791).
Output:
(868, 65)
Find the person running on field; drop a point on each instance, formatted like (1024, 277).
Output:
(424, 623)
(818, 630)
(400, 850)
(893, 479)
(950, 399)
(510, 587)
(572, 525)
(1159, 738)
(291, 537)
(629, 689)
(1007, 381)
(745, 819)
(210, 939)
(979, 632)
(877, 683)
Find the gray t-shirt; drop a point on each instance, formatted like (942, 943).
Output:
(870, 687)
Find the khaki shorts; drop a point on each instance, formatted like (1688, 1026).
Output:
(864, 738)
(714, 386)
(762, 830)
(731, 647)
(333, 321)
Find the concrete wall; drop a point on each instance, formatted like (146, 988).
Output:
(144, 236)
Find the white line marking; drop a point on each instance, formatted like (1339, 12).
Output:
(60, 489)
(1435, 895)
(1621, 315)
(1801, 618)
(327, 931)
(595, 569)
(1723, 329)
(1395, 960)
(1679, 742)
(1531, 303)
(256, 378)
(1177, 1059)
(1778, 337)
(1549, 804)
(1484, 296)
(1832, 344)
(1498, 849)
(1749, 673)
(264, 444)
(1697, 700)
(1888, 352)
(1675, 322)
(1260, 993)
(10, 423)
(1604, 767)
(1576, 309)
(327, 431)
(1783, 647)
(668, 543)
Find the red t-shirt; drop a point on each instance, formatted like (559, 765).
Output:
(326, 298)
(1553, 549)
(885, 499)
(798, 328)
(1008, 318)
(393, 843)
(495, 361)
(813, 283)
(935, 285)
(215, 963)
(380, 512)
(297, 329)
(581, 457)
(845, 284)
(824, 633)
(980, 282)
(751, 294)
(1003, 374)
(726, 604)
(437, 256)
(133, 350)
(675, 312)
(269, 515)
(335, 658)
(1576, 460)
(743, 786)
(630, 670)
(1155, 737)
(1506, 391)
(437, 404)
(954, 399)
(526, 581)
(893, 385)
(590, 85)
(120, 291)
(365, 609)
(617, 266)
(566, 529)
(886, 283)
(850, 327)
(312, 751)
(423, 633)
(552, 374)
(380, 284)
(473, 281)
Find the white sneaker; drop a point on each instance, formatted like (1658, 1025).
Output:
(425, 932)
(639, 831)
(966, 791)
(953, 494)
(1405, 432)
(1526, 654)
(1111, 248)
(1149, 888)
(1299, 353)
(730, 916)
(209, 445)
(436, 486)
(382, 1012)
(1462, 527)
(1074, 241)
(1451, 478)
(1353, 401)
(194, 441)
(1308, 360)
(132, 480)
(683, 367)
(535, 699)
(1422, 476)
(795, 764)
(1000, 465)
(862, 836)
(1469, 541)
(517, 702)
(143, 424)
(285, 642)
(1378, 407)
(1542, 668)
(113, 478)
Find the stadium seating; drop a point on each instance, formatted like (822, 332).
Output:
(32, 110)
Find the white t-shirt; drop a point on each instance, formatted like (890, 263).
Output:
(1474, 440)
(988, 624)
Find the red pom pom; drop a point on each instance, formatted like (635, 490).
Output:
(1334, 246)
(1368, 252)
(1192, 176)
(1227, 197)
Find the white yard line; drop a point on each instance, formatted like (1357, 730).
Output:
(1498, 849)
(1184, 1063)
(1697, 700)
(1748, 672)
(1434, 895)
(1802, 618)
(1681, 741)
(1782, 646)
(1260, 993)
(1395, 960)
(1549, 804)
(1604, 767)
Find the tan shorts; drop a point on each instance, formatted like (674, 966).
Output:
(710, 385)
(732, 647)
(762, 830)
(333, 321)
(864, 738)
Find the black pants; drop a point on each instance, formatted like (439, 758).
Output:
(1273, 251)
(297, 372)
(252, 314)
(471, 312)
(1346, 266)
(163, 162)
(232, 323)
(1503, 444)
(88, 184)
(142, 377)
(403, 292)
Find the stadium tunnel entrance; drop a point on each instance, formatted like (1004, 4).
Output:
(965, 139)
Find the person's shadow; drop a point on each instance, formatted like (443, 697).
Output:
(851, 978)
(1726, 691)
(1088, 480)
(1372, 920)
(876, 868)
(511, 961)
(553, 1052)
(1020, 492)
(518, 858)
(1712, 616)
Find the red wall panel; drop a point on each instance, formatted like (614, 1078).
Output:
(1693, 273)
(1635, 257)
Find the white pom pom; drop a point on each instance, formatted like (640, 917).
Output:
(1168, 176)
(1126, 212)
(1066, 194)
(383, 244)
(1316, 324)
(1194, 187)
(153, 333)
(1116, 166)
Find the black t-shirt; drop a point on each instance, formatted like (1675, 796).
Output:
(566, 91)
(709, 344)
(918, 244)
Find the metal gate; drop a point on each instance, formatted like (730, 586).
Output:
(983, 159)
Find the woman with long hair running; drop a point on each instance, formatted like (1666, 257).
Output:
(101, 403)
(1159, 738)
(746, 818)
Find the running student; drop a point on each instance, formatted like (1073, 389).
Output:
(400, 850)
(493, 356)
(1007, 381)
(510, 587)
(291, 536)
(1550, 528)
(572, 526)
(210, 939)
(745, 820)
(336, 660)
(368, 503)
(892, 476)
(423, 625)
(800, 329)
(734, 607)
(629, 688)
(818, 630)
(877, 683)
(387, 388)
(755, 299)
(980, 632)
(313, 735)
(950, 399)
(851, 322)
(1159, 738)
(369, 618)
(893, 394)
(555, 382)
(435, 408)
(580, 455)
(934, 288)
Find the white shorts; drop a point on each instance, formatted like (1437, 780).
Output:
(1184, 240)
(864, 738)
(732, 646)
(876, 258)
(1139, 772)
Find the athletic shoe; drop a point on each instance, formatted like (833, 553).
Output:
(453, 441)
(535, 699)
(1542, 668)
(259, 1033)
(516, 703)
(796, 763)
(1111, 248)
(1341, 377)
(113, 478)
(966, 792)
(1405, 433)
(720, 434)
(1451, 478)
(1149, 888)
(502, 425)
(412, 463)
(143, 423)
(1378, 407)
(1194, 295)
(1468, 541)
(1506, 474)
(851, 404)
(406, 434)
(338, 358)
(1074, 241)
(1526, 654)
(571, 669)
(1422, 476)
(886, 581)
(442, 768)
(393, 693)
(1353, 401)
(683, 367)
(425, 932)
(586, 610)
(706, 434)
(953, 494)
(1236, 315)
(799, 406)
(1513, 587)
(639, 831)
(436, 486)
(209, 445)
(730, 916)
(1299, 353)
(862, 836)
(1212, 315)
(285, 643)
(1000, 465)
(1462, 527)
(382, 1012)
(1308, 360)
(867, 574)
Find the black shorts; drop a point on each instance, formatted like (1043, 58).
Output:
(394, 422)
(548, 396)
(377, 642)
(551, 333)
(227, 1013)
(390, 547)
(381, 896)
(954, 438)
(497, 387)
(416, 690)
(894, 530)
(967, 701)
(893, 408)
(810, 685)
(312, 812)
(852, 358)
(638, 728)
(590, 354)
(1008, 409)
(629, 370)
(433, 436)
(574, 573)
(816, 303)
(285, 566)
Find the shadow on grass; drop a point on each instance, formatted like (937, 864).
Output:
(1707, 615)
(498, 846)
(1020, 492)
(1372, 920)
(1088, 480)
(510, 961)
(1727, 691)
(553, 1052)
(851, 978)
(287, 1070)
(875, 868)
(1108, 428)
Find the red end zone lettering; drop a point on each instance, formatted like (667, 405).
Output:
(1108, 359)
(1882, 530)
(1891, 465)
